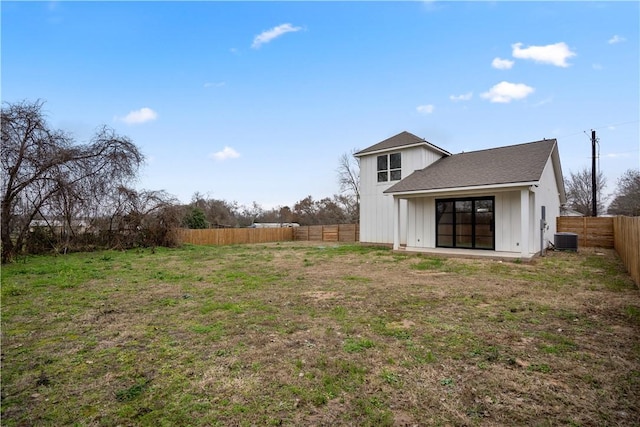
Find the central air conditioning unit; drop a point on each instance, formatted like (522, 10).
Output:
(566, 241)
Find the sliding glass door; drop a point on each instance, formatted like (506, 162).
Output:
(465, 223)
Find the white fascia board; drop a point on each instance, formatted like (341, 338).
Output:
(557, 168)
(402, 147)
(464, 190)
(386, 150)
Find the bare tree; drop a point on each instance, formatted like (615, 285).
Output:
(579, 191)
(284, 214)
(145, 220)
(218, 213)
(135, 218)
(305, 212)
(31, 155)
(42, 170)
(350, 207)
(627, 195)
(349, 174)
(330, 211)
(247, 215)
(339, 209)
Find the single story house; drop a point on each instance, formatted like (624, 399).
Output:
(274, 225)
(58, 226)
(500, 202)
(565, 211)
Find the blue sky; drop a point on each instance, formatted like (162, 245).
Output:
(256, 101)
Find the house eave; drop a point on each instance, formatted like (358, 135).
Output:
(557, 168)
(464, 190)
(402, 147)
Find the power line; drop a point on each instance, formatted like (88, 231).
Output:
(600, 127)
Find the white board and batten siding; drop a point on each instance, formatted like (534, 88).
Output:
(507, 221)
(547, 195)
(508, 211)
(421, 232)
(376, 208)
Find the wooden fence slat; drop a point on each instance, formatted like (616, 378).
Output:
(591, 231)
(315, 232)
(347, 233)
(330, 233)
(627, 244)
(230, 236)
(301, 233)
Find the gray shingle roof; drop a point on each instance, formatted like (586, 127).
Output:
(503, 165)
(400, 140)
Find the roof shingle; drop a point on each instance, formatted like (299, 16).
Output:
(503, 165)
(400, 140)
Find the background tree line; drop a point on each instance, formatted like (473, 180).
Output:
(60, 195)
(205, 212)
(625, 200)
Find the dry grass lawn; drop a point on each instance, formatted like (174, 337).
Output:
(318, 335)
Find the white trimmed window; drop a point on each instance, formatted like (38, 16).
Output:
(389, 167)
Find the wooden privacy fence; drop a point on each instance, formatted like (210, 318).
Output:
(626, 230)
(328, 233)
(233, 236)
(591, 231)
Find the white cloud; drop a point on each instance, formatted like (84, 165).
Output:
(464, 97)
(617, 155)
(505, 92)
(597, 66)
(226, 153)
(617, 39)
(429, 5)
(142, 115)
(502, 64)
(543, 102)
(554, 54)
(275, 32)
(425, 109)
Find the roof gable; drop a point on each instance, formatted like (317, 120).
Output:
(504, 165)
(402, 140)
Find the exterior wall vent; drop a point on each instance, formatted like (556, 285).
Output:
(566, 241)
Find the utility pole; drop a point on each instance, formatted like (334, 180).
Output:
(594, 209)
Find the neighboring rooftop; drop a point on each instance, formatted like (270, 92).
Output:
(503, 165)
(403, 139)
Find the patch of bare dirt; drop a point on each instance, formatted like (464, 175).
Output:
(322, 295)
